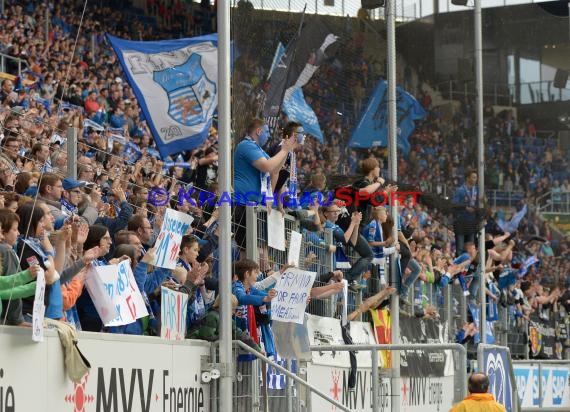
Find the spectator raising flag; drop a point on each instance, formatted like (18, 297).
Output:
(294, 68)
(372, 130)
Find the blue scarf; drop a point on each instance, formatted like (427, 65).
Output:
(68, 208)
(35, 245)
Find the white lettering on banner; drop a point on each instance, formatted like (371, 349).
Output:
(142, 63)
(293, 289)
(168, 382)
(554, 385)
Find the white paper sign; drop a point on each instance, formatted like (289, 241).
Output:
(115, 294)
(294, 248)
(39, 308)
(174, 226)
(173, 312)
(344, 318)
(293, 290)
(276, 230)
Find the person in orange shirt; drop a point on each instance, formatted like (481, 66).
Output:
(479, 400)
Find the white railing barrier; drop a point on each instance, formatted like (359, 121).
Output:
(460, 366)
(543, 384)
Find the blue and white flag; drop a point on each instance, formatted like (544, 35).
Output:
(276, 379)
(490, 338)
(527, 264)
(93, 125)
(131, 152)
(297, 110)
(372, 130)
(175, 82)
(513, 224)
(151, 151)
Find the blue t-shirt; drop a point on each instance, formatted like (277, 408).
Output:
(246, 177)
(373, 233)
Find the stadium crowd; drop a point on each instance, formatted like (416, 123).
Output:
(105, 215)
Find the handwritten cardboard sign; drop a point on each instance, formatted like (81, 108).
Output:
(174, 226)
(115, 293)
(293, 290)
(173, 312)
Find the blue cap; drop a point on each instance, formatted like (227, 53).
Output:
(70, 183)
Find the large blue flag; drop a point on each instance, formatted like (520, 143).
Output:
(297, 110)
(372, 130)
(175, 82)
(474, 309)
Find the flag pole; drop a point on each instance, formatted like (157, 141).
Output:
(224, 172)
(288, 76)
(393, 168)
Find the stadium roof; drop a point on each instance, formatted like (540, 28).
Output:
(405, 9)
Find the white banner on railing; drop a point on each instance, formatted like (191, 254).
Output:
(128, 373)
(416, 394)
(554, 380)
(326, 331)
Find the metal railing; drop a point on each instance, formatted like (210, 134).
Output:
(553, 202)
(420, 293)
(505, 94)
(460, 388)
(541, 391)
(293, 377)
(498, 93)
(22, 64)
(460, 365)
(504, 198)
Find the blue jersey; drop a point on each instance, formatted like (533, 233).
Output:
(372, 232)
(247, 179)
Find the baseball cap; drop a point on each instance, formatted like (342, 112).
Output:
(118, 80)
(70, 183)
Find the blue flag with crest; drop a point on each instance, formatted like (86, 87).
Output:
(297, 110)
(372, 129)
(175, 82)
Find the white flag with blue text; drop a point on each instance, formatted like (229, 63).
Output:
(175, 82)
